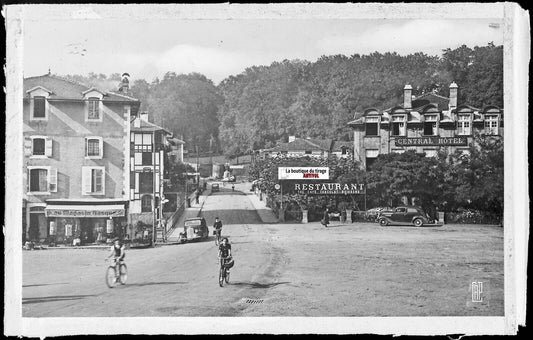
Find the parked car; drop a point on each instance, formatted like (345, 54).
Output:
(372, 214)
(215, 187)
(193, 229)
(403, 215)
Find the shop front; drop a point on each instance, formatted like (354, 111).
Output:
(76, 222)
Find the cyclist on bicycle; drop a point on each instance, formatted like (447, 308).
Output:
(218, 227)
(118, 251)
(224, 252)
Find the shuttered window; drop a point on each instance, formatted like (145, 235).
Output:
(38, 147)
(93, 180)
(42, 179)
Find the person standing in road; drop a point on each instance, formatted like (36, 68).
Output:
(218, 227)
(325, 219)
(197, 196)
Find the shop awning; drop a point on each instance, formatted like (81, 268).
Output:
(108, 210)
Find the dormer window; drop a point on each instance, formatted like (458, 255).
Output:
(94, 109)
(464, 125)
(398, 125)
(39, 107)
(491, 124)
(430, 125)
(372, 126)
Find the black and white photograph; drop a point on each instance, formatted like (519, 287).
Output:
(278, 169)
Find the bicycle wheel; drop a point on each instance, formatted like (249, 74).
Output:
(110, 277)
(123, 273)
(221, 276)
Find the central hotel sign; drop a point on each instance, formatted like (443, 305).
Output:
(433, 141)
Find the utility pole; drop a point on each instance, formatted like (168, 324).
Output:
(197, 169)
(154, 205)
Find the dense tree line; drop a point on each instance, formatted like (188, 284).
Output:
(265, 104)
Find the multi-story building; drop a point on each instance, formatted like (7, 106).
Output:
(424, 124)
(75, 169)
(313, 147)
(149, 145)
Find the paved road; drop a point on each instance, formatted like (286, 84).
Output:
(289, 269)
(166, 281)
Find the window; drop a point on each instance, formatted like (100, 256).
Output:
(93, 147)
(42, 179)
(430, 125)
(371, 155)
(93, 180)
(398, 126)
(146, 182)
(146, 158)
(491, 124)
(463, 125)
(344, 150)
(372, 125)
(132, 180)
(146, 203)
(39, 107)
(38, 147)
(401, 210)
(94, 109)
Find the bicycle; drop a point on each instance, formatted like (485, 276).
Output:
(115, 276)
(223, 275)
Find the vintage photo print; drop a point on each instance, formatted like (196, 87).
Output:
(272, 169)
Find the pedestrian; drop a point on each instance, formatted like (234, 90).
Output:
(325, 219)
(197, 196)
(233, 187)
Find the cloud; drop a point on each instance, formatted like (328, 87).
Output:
(215, 63)
(430, 36)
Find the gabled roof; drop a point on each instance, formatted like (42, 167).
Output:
(338, 145)
(62, 88)
(302, 144)
(430, 98)
(147, 127)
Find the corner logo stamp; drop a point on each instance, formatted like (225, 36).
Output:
(477, 291)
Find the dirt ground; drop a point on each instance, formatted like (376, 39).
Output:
(358, 269)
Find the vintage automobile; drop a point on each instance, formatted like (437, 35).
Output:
(404, 215)
(194, 228)
(372, 214)
(215, 187)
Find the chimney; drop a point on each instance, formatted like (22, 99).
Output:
(407, 96)
(125, 83)
(292, 139)
(144, 116)
(137, 122)
(453, 95)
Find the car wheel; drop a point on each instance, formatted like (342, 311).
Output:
(383, 222)
(417, 222)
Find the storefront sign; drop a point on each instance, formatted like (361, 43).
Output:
(434, 141)
(51, 212)
(329, 188)
(303, 173)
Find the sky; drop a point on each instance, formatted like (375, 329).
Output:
(220, 48)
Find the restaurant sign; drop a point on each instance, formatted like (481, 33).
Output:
(300, 173)
(50, 212)
(329, 188)
(433, 141)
